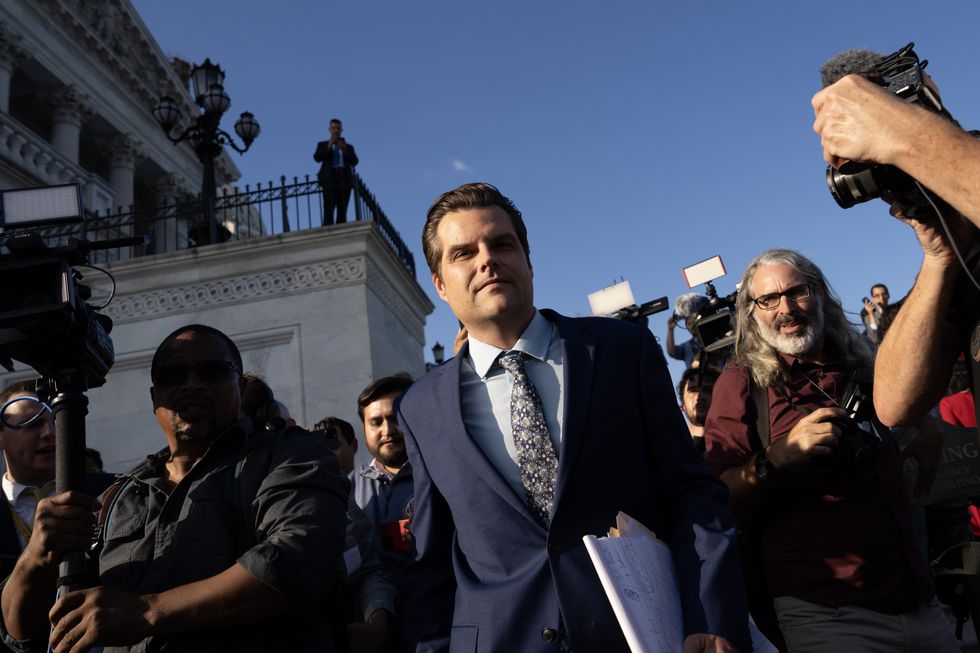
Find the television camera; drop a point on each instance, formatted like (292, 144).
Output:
(617, 301)
(47, 323)
(713, 323)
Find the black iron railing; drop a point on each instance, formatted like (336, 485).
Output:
(260, 211)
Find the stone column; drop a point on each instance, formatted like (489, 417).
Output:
(12, 54)
(169, 233)
(124, 152)
(70, 108)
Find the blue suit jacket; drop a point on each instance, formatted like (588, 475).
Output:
(489, 577)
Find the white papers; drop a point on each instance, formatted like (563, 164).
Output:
(637, 573)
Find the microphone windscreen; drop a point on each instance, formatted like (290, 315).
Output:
(847, 63)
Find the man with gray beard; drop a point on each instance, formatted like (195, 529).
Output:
(829, 522)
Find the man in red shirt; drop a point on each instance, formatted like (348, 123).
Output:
(835, 537)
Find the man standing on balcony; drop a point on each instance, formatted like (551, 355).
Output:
(337, 160)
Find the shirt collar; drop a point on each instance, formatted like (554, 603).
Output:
(534, 342)
(12, 489)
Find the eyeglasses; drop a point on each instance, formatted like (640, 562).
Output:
(35, 411)
(796, 294)
(175, 374)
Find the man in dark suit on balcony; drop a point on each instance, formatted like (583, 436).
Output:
(337, 160)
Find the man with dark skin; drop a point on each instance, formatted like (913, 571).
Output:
(196, 393)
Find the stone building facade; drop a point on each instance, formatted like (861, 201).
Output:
(319, 313)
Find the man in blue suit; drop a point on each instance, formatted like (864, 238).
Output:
(537, 433)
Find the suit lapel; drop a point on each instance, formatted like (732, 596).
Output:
(447, 398)
(578, 347)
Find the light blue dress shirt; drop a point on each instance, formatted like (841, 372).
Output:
(485, 389)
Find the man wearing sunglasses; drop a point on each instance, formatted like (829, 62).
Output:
(27, 438)
(836, 548)
(228, 539)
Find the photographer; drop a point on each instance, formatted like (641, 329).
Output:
(859, 120)
(820, 499)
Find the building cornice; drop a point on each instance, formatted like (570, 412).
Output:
(114, 35)
(237, 290)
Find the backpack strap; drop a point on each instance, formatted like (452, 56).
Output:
(109, 498)
(760, 398)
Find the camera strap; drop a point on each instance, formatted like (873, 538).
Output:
(760, 398)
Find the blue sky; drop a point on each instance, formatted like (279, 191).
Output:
(636, 137)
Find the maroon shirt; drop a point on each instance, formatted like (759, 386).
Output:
(825, 538)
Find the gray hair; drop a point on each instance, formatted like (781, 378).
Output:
(759, 358)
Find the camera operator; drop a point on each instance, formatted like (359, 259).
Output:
(820, 497)
(687, 308)
(228, 539)
(858, 120)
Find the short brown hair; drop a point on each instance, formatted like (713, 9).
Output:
(21, 387)
(389, 385)
(336, 427)
(467, 196)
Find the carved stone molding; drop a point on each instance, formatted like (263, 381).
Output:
(13, 52)
(124, 149)
(395, 303)
(238, 290)
(70, 104)
(119, 41)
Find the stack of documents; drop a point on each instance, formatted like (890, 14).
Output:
(637, 573)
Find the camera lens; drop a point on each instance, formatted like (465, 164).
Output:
(851, 189)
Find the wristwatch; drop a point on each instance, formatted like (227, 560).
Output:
(764, 468)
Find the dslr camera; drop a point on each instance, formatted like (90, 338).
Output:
(856, 182)
(856, 454)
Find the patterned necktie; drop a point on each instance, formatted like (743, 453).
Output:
(535, 453)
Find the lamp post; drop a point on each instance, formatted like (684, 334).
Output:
(205, 135)
(438, 351)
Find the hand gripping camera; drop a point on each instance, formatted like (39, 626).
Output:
(902, 74)
(856, 453)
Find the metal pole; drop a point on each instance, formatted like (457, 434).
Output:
(285, 207)
(208, 193)
(70, 406)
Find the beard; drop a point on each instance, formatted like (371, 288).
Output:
(694, 415)
(189, 432)
(795, 344)
(391, 455)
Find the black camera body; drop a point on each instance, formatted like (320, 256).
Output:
(714, 327)
(46, 321)
(901, 74)
(856, 454)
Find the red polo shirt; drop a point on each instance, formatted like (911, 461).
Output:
(825, 538)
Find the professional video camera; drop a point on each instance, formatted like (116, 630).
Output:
(617, 301)
(856, 182)
(46, 323)
(45, 320)
(714, 324)
(856, 453)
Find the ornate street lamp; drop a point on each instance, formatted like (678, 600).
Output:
(205, 135)
(438, 352)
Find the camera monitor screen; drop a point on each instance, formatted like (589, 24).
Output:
(33, 207)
